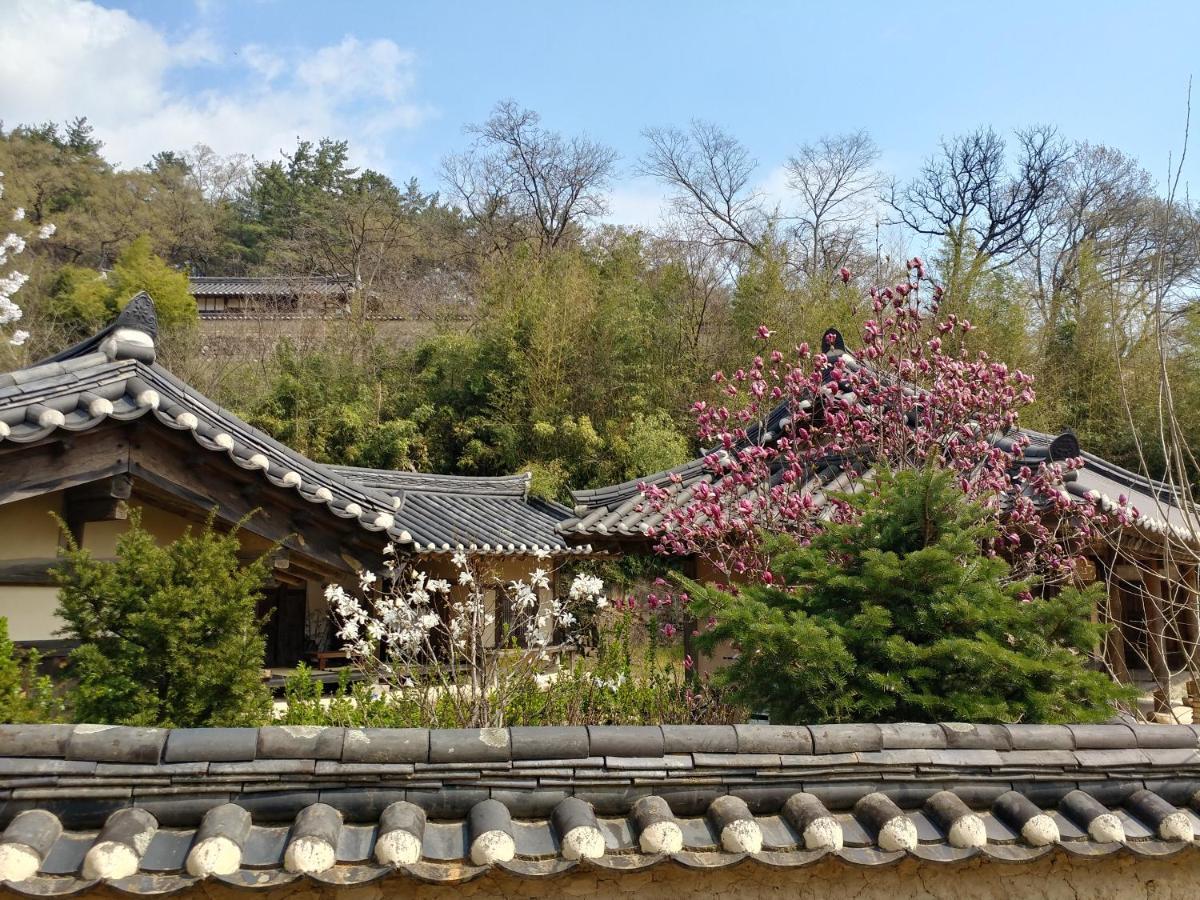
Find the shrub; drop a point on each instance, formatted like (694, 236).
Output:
(167, 634)
(25, 696)
(898, 614)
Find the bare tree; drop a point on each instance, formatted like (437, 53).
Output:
(835, 181)
(710, 173)
(519, 180)
(970, 196)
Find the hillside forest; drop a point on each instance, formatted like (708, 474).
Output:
(555, 342)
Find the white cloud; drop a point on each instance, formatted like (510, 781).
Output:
(636, 204)
(66, 58)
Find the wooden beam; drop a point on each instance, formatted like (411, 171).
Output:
(44, 467)
(32, 570)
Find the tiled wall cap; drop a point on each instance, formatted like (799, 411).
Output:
(1164, 737)
(736, 826)
(817, 826)
(300, 742)
(790, 739)
(549, 742)
(1020, 813)
(912, 736)
(26, 843)
(1040, 737)
(967, 736)
(1171, 824)
(211, 745)
(312, 844)
(1103, 737)
(491, 834)
(963, 828)
(625, 740)
(1087, 812)
(401, 830)
(123, 841)
(578, 831)
(701, 738)
(467, 745)
(658, 832)
(116, 743)
(34, 740)
(893, 829)
(845, 738)
(386, 745)
(217, 849)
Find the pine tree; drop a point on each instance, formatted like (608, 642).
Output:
(167, 634)
(902, 616)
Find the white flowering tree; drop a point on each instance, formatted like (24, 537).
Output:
(441, 644)
(11, 280)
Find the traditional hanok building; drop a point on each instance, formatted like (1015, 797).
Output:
(102, 427)
(1150, 567)
(245, 315)
(276, 296)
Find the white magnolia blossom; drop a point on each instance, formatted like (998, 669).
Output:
(13, 244)
(433, 640)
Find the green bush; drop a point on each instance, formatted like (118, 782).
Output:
(25, 696)
(901, 616)
(167, 634)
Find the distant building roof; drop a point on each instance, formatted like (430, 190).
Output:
(270, 286)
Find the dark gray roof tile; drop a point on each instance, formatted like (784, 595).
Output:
(1040, 737)
(625, 740)
(845, 738)
(964, 736)
(116, 743)
(789, 739)
(211, 744)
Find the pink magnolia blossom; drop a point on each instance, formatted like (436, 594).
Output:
(801, 429)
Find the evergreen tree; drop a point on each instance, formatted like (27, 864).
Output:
(168, 634)
(901, 616)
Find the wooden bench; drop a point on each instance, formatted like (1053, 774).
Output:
(323, 657)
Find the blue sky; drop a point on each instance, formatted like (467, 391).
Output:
(399, 80)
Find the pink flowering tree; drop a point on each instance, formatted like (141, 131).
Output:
(801, 427)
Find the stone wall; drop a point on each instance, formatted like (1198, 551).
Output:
(1057, 877)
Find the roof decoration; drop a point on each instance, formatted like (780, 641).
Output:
(490, 515)
(147, 810)
(620, 511)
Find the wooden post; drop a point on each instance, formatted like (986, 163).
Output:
(1154, 599)
(1189, 599)
(1114, 641)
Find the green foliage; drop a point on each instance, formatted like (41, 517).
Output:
(902, 617)
(25, 696)
(139, 269)
(168, 634)
(340, 408)
(85, 300)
